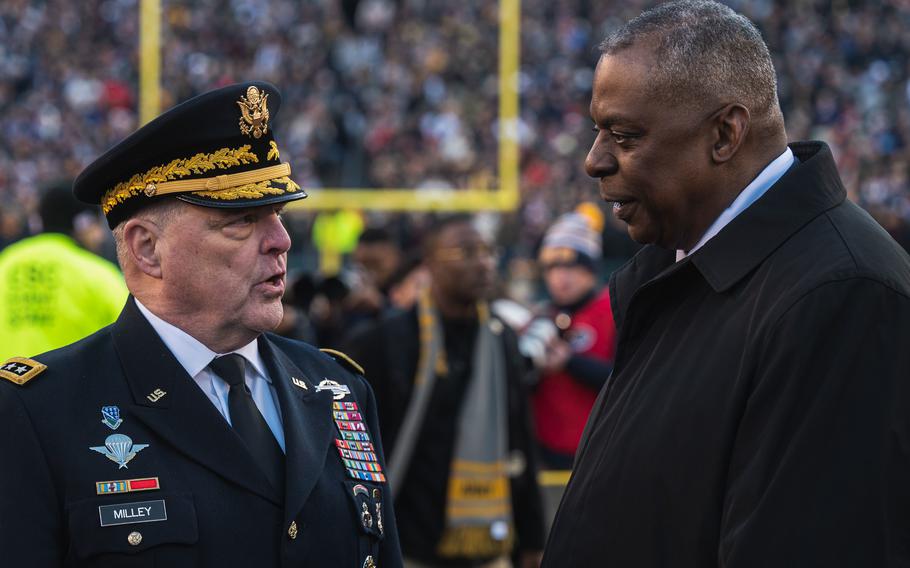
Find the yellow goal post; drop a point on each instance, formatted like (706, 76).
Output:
(502, 198)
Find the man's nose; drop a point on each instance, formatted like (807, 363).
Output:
(600, 162)
(487, 261)
(277, 239)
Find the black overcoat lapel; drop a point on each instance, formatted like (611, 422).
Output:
(308, 425)
(169, 402)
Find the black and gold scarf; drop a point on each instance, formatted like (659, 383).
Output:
(478, 506)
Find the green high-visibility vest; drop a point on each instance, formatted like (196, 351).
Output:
(52, 293)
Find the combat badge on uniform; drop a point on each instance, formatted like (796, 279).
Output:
(20, 370)
(339, 391)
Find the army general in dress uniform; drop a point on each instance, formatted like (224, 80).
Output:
(185, 434)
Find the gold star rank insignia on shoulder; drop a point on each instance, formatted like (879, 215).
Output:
(20, 370)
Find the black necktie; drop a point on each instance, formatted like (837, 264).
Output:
(248, 421)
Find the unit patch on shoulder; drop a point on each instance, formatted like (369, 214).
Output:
(345, 361)
(20, 370)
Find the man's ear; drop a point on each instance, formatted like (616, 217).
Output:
(731, 126)
(143, 239)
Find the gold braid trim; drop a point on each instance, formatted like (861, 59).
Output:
(181, 167)
(273, 151)
(252, 190)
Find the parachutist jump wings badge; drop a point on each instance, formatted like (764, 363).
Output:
(119, 449)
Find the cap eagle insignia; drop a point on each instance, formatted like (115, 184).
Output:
(254, 119)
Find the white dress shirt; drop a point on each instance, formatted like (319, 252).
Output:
(195, 358)
(759, 186)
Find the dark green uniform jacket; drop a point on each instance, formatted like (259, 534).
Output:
(759, 410)
(213, 506)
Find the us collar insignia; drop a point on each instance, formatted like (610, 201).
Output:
(156, 395)
(111, 417)
(119, 448)
(339, 391)
(298, 383)
(254, 119)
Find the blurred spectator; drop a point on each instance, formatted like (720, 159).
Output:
(454, 416)
(53, 291)
(406, 282)
(328, 310)
(361, 291)
(404, 93)
(296, 322)
(572, 342)
(378, 255)
(12, 224)
(335, 235)
(375, 260)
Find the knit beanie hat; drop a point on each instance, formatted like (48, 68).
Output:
(575, 238)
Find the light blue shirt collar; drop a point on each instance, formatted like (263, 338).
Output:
(752, 193)
(195, 358)
(191, 353)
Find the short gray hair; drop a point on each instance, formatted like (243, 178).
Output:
(161, 213)
(703, 51)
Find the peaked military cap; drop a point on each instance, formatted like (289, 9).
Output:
(216, 150)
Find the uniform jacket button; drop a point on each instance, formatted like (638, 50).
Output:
(292, 530)
(134, 538)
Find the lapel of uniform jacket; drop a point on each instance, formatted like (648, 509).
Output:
(308, 425)
(168, 401)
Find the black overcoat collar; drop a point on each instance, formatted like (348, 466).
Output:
(168, 401)
(811, 187)
(808, 189)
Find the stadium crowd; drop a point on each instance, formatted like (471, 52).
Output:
(386, 93)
